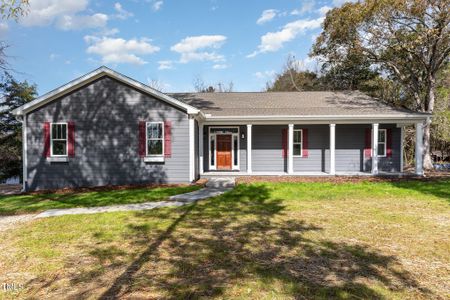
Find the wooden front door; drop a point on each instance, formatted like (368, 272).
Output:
(224, 152)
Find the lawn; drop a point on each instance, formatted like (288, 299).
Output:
(379, 240)
(32, 203)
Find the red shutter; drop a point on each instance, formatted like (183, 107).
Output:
(284, 134)
(167, 138)
(389, 142)
(141, 138)
(367, 144)
(71, 138)
(305, 143)
(46, 152)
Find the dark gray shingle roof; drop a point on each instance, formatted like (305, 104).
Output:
(288, 104)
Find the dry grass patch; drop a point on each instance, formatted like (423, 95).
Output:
(261, 241)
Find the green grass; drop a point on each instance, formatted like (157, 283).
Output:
(368, 240)
(32, 203)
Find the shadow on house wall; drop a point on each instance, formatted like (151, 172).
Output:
(106, 114)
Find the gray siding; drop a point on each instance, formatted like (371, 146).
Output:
(267, 149)
(318, 142)
(106, 115)
(389, 164)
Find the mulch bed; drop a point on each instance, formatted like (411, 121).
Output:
(431, 176)
(106, 188)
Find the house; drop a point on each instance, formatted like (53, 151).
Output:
(107, 129)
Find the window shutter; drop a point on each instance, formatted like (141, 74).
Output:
(284, 133)
(367, 144)
(389, 142)
(142, 138)
(305, 145)
(46, 152)
(167, 138)
(71, 138)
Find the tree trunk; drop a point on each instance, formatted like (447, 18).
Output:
(427, 161)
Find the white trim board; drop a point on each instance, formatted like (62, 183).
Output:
(92, 76)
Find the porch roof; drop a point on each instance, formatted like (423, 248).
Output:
(351, 104)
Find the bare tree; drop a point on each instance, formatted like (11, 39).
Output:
(201, 87)
(156, 84)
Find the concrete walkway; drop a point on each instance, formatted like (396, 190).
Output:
(212, 188)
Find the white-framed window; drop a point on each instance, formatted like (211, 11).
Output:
(58, 139)
(154, 138)
(298, 143)
(382, 136)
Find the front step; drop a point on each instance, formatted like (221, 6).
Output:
(221, 182)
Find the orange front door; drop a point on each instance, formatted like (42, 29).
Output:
(223, 152)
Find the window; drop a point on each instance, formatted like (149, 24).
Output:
(213, 151)
(235, 150)
(59, 139)
(298, 142)
(382, 142)
(155, 138)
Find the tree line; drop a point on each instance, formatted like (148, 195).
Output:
(395, 50)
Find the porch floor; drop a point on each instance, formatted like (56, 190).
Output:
(209, 174)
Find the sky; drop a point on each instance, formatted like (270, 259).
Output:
(165, 41)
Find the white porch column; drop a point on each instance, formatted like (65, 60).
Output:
(419, 149)
(200, 148)
(402, 137)
(332, 149)
(375, 148)
(249, 148)
(290, 166)
(191, 149)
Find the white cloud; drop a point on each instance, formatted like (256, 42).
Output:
(307, 6)
(196, 48)
(44, 12)
(267, 16)
(157, 5)
(220, 66)
(3, 28)
(264, 74)
(53, 56)
(273, 41)
(340, 2)
(122, 14)
(165, 65)
(118, 50)
(68, 22)
(324, 9)
(66, 14)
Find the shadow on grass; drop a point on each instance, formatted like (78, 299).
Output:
(29, 203)
(433, 186)
(240, 241)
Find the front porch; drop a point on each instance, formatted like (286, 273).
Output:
(304, 149)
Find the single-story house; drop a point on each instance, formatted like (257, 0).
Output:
(108, 129)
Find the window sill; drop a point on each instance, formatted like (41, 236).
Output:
(56, 159)
(154, 159)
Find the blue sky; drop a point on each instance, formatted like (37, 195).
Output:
(171, 42)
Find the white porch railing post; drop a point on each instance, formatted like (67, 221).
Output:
(419, 149)
(332, 149)
(200, 148)
(249, 148)
(375, 127)
(290, 168)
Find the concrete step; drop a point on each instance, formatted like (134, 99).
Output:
(221, 182)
